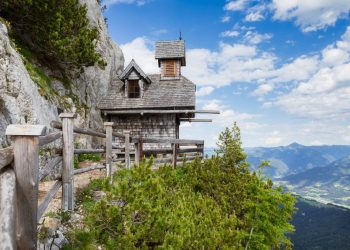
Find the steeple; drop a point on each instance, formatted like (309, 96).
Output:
(171, 57)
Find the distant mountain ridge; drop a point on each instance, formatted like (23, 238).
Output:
(328, 184)
(296, 158)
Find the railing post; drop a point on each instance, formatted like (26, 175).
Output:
(127, 148)
(26, 166)
(201, 147)
(109, 130)
(68, 161)
(174, 159)
(138, 151)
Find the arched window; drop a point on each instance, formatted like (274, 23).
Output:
(133, 89)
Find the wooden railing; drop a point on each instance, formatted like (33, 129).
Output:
(20, 175)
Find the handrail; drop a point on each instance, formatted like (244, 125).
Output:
(48, 198)
(167, 140)
(6, 156)
(46, 139)
(50, 166)
(87, 169)
(85, 131)
(89, 151)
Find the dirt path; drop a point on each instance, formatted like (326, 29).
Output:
(80, 181)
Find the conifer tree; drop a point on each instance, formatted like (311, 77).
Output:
(57, 30)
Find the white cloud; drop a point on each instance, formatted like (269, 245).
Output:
(203, 91)
(230, 33)
(253, 37)
(225, 19)
(236, 5)
(138, 2)
(311, 15)
(334, 56)
(274, 138)
(255, 13)
(254, 17)
(227, 115)
(141, 49)
(263, 89)
(325, 94)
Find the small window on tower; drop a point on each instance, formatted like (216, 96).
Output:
(170, 68)
(133, 89)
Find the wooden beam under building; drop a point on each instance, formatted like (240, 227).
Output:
(161, 111)
(195, 120)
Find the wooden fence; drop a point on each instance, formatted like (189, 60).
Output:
(20, 175)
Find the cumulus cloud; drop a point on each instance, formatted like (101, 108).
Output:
(274, 138)
(263, 89)
(254, 17)
(142, 50)
(253, 37)
(203, 91)
(236, 5)
(326, 92)
(137, 2)
(311, 15)
(225, 19)
(230, 33)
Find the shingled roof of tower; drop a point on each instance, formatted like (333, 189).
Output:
(170, 49)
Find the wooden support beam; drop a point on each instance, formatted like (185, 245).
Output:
(68, 162)
(54, 162)
(26, 166)
(195, 120)
(88, 151)
(48, 198)
(127, 149)
(109, 138)
(8, 209)
(161, 111)
(6, 156)
(46, 139)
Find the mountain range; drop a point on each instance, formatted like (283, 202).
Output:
(321, 173)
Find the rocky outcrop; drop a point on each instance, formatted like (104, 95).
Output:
(20, 101)
(20, 98)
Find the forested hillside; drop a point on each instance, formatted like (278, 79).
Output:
(319, 226)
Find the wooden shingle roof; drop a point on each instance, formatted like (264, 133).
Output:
(134, 66)
(170, 49)
(159, 94)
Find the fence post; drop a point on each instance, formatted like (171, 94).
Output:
(138, 151)
(68, 161)
(174, 147)
(26, 166)
(127, 148)
(201, 146)
(109, 130)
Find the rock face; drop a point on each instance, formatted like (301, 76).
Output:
(20, 100)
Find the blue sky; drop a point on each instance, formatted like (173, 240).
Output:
(280, 68)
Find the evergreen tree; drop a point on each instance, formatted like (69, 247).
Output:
(57, 30)
(218, 204)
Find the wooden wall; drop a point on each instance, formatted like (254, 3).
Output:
(147, 125)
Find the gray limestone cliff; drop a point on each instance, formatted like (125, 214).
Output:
(21, 97)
